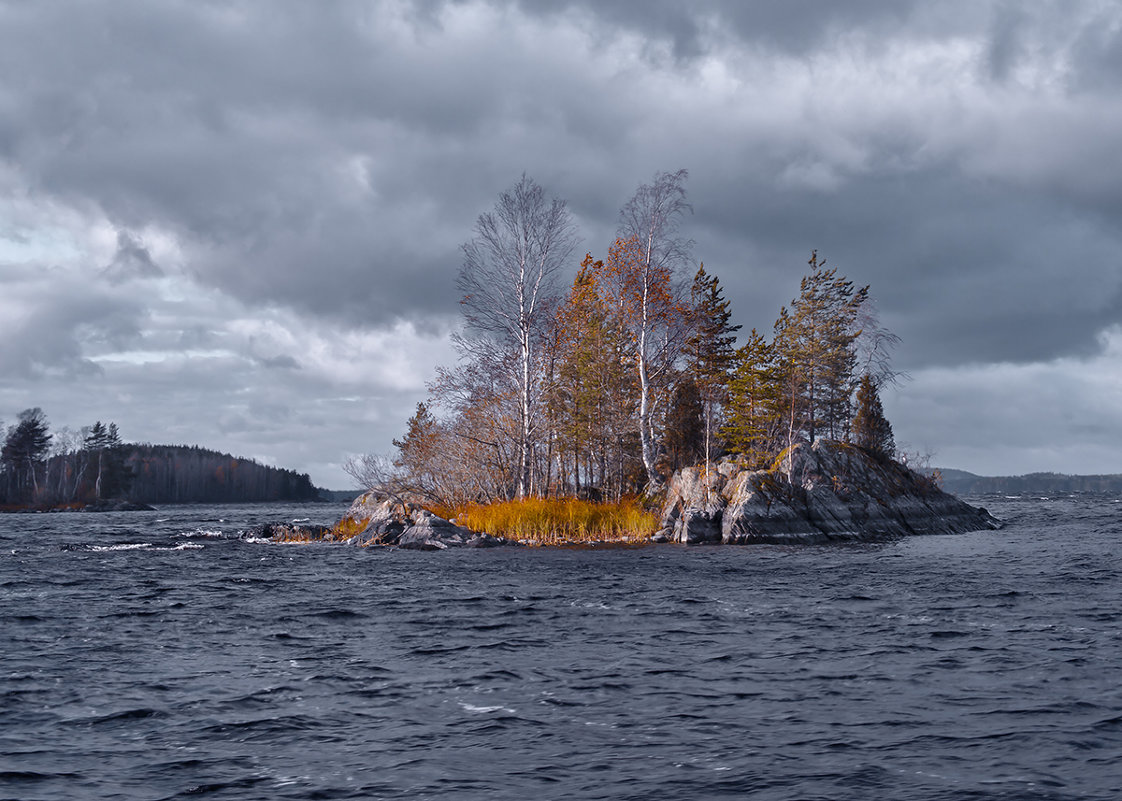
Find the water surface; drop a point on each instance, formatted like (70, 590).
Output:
(158, 656)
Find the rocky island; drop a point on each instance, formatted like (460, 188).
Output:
(628, 409)
(828, 492)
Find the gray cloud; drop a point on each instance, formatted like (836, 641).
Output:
(132, 260)
(323, 162)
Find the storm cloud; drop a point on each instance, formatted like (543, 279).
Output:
(238, 224)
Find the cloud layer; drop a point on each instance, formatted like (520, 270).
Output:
(238, 224)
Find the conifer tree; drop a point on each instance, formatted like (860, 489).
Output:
(755, 410)
(113, 475)
(22, 453)
(710, 349)
(685, 438)
(871, 430)
(592, 395)
(814, 348)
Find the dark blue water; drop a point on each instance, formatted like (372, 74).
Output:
(156, 656)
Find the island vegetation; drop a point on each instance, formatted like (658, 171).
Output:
(597, 392)
(92, 468)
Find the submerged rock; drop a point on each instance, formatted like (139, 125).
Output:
(117, 506)
(286, 532)
(831, 491)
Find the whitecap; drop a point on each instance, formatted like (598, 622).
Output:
(126, 546)
(484, 710)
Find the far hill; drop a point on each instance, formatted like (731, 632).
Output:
(163, 474)
(190, 474)
(961, 482)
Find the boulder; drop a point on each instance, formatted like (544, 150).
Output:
(382, 521)
(429, 532)
(831, 491)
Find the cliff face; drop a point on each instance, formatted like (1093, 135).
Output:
(836, 492)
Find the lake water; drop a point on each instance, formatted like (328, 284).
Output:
(157, 656)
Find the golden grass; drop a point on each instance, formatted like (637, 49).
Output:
(346, 528)
(558, 521)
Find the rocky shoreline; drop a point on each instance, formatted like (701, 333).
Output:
(376, 521)
(829, 492)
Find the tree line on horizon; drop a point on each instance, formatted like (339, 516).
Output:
(70, 468)
(605, 388)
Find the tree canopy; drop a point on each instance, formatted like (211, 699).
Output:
(603, 389)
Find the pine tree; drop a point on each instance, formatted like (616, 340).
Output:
(26, 444)
(871, 430)
(418, 448)
(814, 344)
(685, 425)
(113, 477)
(592, 396)
(710, 349)
(755, 410)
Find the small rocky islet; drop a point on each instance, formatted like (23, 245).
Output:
(813, 494)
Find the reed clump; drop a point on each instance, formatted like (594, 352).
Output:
(558, 521)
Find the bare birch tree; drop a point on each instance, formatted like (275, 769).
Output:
(507, 278)
(650, 220)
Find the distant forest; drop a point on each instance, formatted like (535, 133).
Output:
(961, 482)
(39, 469)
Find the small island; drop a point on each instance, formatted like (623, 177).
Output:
(93, 470)
(624, 411)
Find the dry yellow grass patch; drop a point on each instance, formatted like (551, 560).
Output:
(558, 521)
(346, 528)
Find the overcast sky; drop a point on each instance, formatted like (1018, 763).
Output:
(238, 224)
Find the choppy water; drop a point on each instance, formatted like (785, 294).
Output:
(155, 656)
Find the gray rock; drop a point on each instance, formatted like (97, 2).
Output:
(836, 492)
(487, 541)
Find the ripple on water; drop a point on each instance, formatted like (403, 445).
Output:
(173, 660)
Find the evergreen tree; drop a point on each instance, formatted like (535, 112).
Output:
(26, 444)
(710, 349)
(418, 449)
(99, 441)
(755, 414)
(115, 476)
(871, 430)
(685, 438)
(814, 344)
(592, 396)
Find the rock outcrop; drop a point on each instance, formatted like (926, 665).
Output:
(378, 521)
(835, 492)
